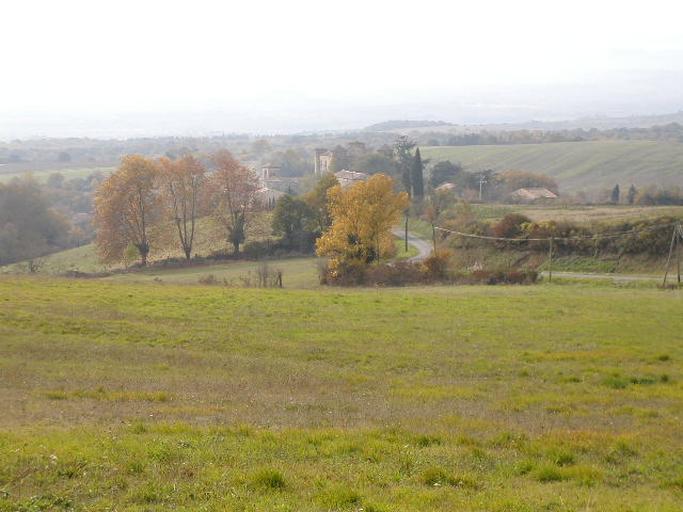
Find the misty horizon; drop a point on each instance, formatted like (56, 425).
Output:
(163, 69)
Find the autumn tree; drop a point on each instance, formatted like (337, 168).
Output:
(317, 200)
(362, 218)
(233, 188)
(126, 207)
(182, 181)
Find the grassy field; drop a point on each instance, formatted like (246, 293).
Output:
(296, 273)
(153, 396)
(577, 165)
(43, 174)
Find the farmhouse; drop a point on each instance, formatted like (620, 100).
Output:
(347, 178)
(269, 178)
(530, 195)
(446, 187)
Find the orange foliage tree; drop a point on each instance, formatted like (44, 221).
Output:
(182, 182)
(362, 218)
(233, 188)
(126, 206)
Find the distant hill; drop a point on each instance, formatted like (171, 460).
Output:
(586, 123)
(577, 165)
(404, 125)
(597, 122)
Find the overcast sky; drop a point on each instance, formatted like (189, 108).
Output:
(97, 57)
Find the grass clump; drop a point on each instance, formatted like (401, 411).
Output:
(438, 477)
(563, 457)
(268, 479)
(615, 382)
(425, 441)
(339, 498)
(547, 474)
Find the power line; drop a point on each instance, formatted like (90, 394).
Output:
(547, 239)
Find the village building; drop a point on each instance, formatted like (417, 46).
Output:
(446, 187)
(323, 161)
(534, 194)
(269, 178)
(347, 178)
(270, 172)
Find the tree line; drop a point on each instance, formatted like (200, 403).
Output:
(145, 196)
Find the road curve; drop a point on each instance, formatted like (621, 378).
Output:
(424, 248)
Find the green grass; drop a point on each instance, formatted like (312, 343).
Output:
(401, 253)
(144, 396)
(577, 165)
(296, 273)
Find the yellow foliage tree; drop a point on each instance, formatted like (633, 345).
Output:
(362, 218)
(126, 207)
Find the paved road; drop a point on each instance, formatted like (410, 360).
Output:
(615, 277)
(424, 248)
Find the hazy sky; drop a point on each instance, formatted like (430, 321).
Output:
(96, 56)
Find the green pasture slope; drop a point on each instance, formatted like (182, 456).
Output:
(577, 165)
(153, 396)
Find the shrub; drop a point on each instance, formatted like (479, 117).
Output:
(398, 274)
(208, 279)
(510, 226)
(501, 277)
(435, 267)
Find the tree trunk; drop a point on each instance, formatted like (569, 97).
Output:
(188, 253)
(236, 247)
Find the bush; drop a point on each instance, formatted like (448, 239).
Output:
(510, 226)
(501, 277)
(400, 273)
(435, 267)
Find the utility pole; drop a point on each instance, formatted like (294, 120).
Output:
(482, 182)
(434, 237)
(550, 260)
(678, 253)
(677, 233)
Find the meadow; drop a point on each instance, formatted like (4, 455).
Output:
(152, 396)
(577, 165)
(41, 175)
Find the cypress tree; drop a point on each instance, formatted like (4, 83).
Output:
(416, 175)
(631, 197)
(616, 194)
